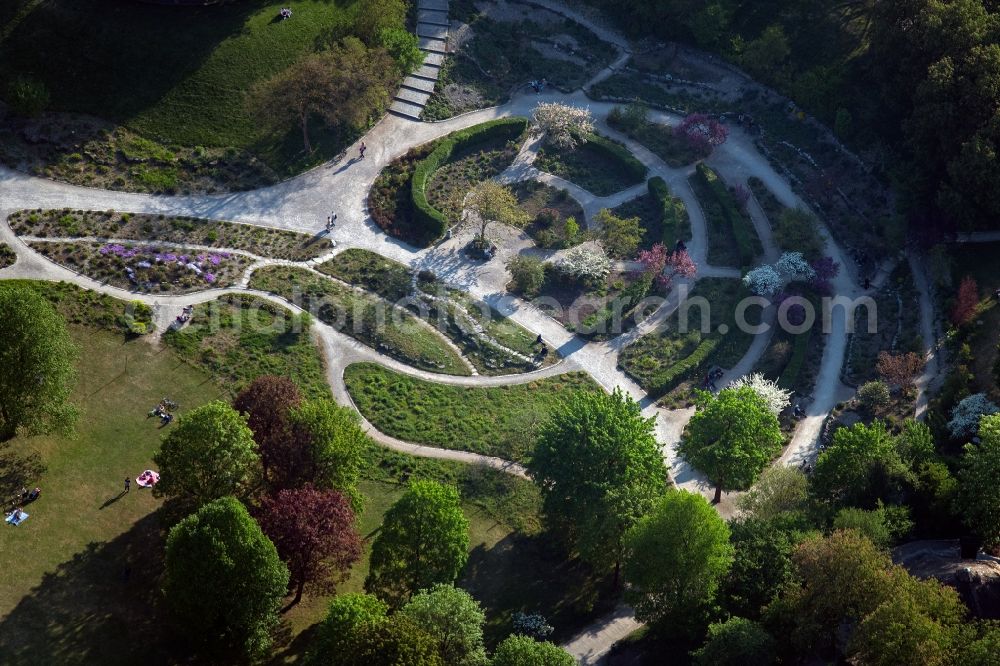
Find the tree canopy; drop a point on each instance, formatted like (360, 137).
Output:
(266, 403)
(860, 466)
(38, 360)
(210, 453)
(599, 469)
(327, 448)
(224, 579)
(424, 540)
(731, 438)
(978, 490)
(677, 556)
(454, 619)
(525, 651)
(736, 642)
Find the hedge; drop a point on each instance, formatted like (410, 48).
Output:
(598, 322)
(678, 372)
(615, 151)
(676, 223)
(426, 216)
(790, 375)
(747, 242)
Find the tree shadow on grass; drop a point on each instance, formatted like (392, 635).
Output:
(533, 574)
(18, 469)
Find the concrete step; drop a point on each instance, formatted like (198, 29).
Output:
(434, 5)
(434, 59)
(429, 72)
(413, 96)
(399, 107)
(432, 30)
(423, 85)
(433, 45)
(433, 16)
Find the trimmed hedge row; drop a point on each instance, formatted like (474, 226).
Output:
(615, 151)
(790, 375)
(676, 223)
(678, 372)
(598, 322)
(425, 216)
(747, 242)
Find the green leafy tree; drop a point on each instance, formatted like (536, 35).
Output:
(376, 16)
(599, 469)
(883, 526)
(424, 540)
(346, 613)
(224, 580)
(454, 618)
(403, 46)
(779, 490)
(393, 642)
(762, 565)
(493, 202)
(677, 556)
(978, 498)
(525, 651)
(528, 274)
(736, 642)
(327, 448)
(764, 55)
(860, 466)
(731, 438)
(210, 453)
(37, 358)
(620, 236)
(344, 87)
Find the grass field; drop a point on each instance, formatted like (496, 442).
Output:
(499, 421)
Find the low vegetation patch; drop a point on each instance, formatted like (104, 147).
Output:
(498, 421)
(261, 241)
(794, 230)
(732, 239)
(598, 165)
(7, 256)
(149, 268)
(557, 219)
(673, 148)
(362, 315)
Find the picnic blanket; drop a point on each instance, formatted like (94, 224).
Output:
(147, 479)
(16, 518)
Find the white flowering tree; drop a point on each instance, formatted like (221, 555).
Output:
(965, 417)
(793, 266)
(563, 125)
(776, 397)
(763, 280)
(585, 265)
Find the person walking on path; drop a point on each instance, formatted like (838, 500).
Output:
(128, 484)
(361, 149)
(330, 221)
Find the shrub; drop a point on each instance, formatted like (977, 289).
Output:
(564, 126)
(763, 280)
(874, 396)
(632, 167)
(796, 229)
(676, 224)
(746, 238)
(966, 415)
(432, 221)
(603, 320)
(669, 378)
(528, 274)
(27, 96)
(586, 266)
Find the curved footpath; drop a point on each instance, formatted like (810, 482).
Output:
(302, 204)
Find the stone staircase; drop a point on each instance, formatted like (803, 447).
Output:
(432, 32)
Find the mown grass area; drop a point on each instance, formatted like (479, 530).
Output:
(594, 169)
(262, 241)
(362, 315)
(485, 337)
(239, 337)
(649, 358)
(498, 421)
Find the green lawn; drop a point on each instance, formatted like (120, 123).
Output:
(499, 421)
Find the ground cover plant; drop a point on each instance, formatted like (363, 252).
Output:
(139, 267)
(261, 241)
(240, 337)
(551, 210)
(598, 165)
(493, 343)
(732, 239)
(447, 186)
(794, 230)
(674, 148)
(662, 359)
(7, 256)
(370, 319)
(793, 359)
(177, 80)
(571, 301)
(499, 421)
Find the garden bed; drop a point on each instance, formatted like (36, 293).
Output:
(793, 230)
(549, 209)
(676, 151)
(372, 320)
(7, 256)
(149, 268)
(663, 217)
(599, 165)
(239, 337)
(491, 342)
(571, 303)
(498, 421)
(390, 198)
(465, 168)
(662, 359)
(793, 359)
(732, 238)
(261, 241)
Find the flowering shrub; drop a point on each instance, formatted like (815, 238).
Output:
(664, 266)
(776, 397)
(562, 125)
(585, 265)
(966, 415)
(793, 266)
(763, 280)
(137, 258)
(826, 269)
(701, 131)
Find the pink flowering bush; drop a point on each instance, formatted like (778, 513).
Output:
(665, 266)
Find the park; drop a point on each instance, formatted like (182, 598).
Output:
(498, 333)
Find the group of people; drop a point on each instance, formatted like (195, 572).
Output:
(538, 86)
(185, 315)
(16, 515)
(285, 13)
(164, 410)
(714, 375)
